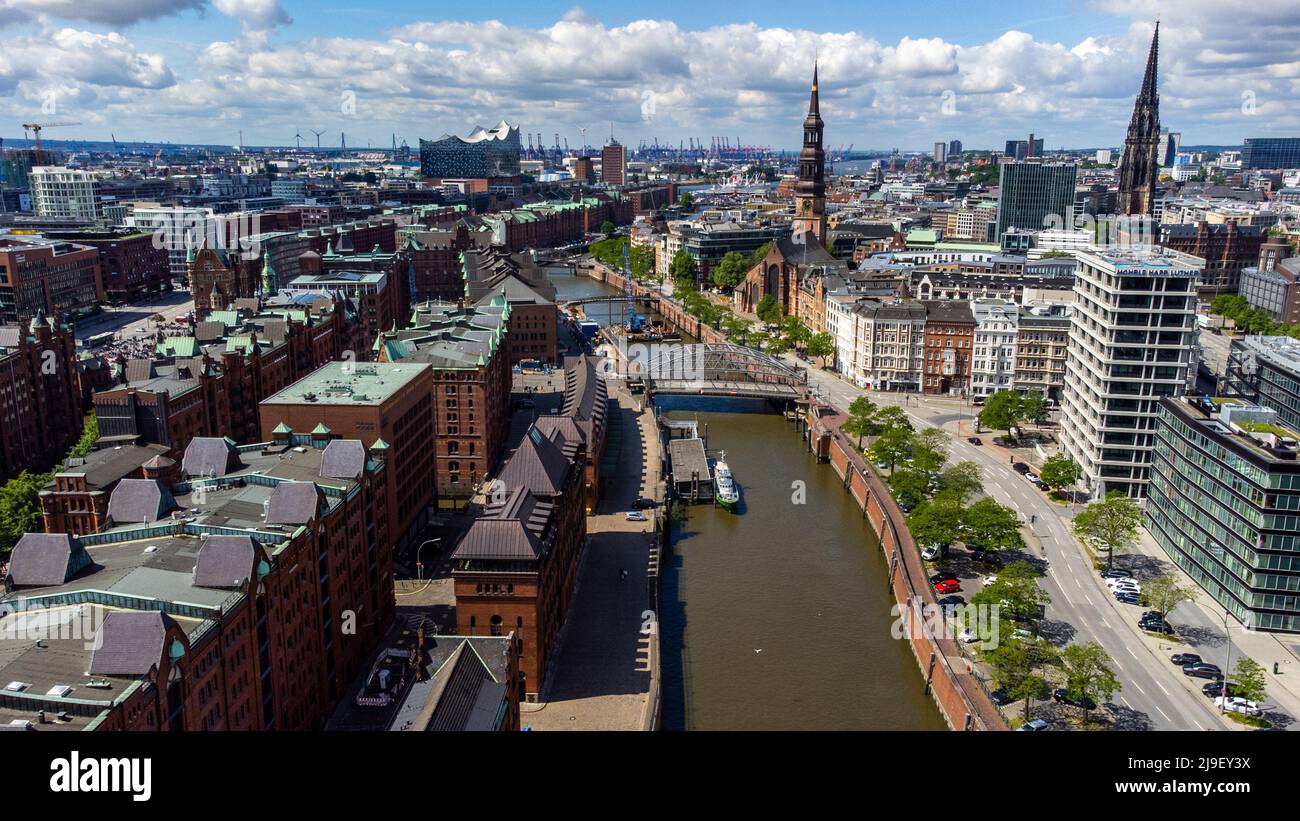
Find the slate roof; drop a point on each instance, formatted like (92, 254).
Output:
(343, 459)
(210, 456)
(139, 501)
(503, 539)
(129, 643)
(46, 559)
(538, 464)
(225, 561)
(294, 503)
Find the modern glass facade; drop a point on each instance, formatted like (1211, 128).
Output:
(1271, 152)
(1225, 506)
(1036, 195)
(1266, 370)
(481, 155)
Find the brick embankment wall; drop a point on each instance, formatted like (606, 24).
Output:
(961, 698)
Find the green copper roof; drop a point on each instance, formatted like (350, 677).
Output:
(379, 444)
(283, 427)
(178, 346)
(320, 429)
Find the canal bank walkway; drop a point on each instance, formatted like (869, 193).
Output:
(603, 676)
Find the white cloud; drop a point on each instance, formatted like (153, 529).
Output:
(258, 15)
(108, 12)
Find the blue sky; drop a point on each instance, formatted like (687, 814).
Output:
(894, 75)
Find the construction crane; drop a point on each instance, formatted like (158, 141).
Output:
(36, 129)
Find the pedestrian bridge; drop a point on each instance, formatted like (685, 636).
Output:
(718, 369)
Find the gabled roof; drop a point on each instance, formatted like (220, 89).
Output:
(294, 503)
(501, 539)
(210, 456)
(139, 501)
(46, 559)
(130, 643)
(343, 459)
(538, 464)
(225, 562)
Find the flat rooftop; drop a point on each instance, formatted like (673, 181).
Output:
(349, 383)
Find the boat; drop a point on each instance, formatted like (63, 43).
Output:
(726, 491)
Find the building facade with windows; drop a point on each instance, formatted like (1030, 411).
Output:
(1224, 503)
(1266, 370)
(1033, 195)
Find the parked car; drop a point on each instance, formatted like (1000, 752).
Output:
(930, 552)
(1035, 726)
(1185, 658)
(1128, 598)
(1000, 697)
(1020, 467)
(1203, 670)
(1031, 476)
(975, 440)
(951, 603)
(1152, 614)
(943, 576)
(1237, 704)
(990, 579)
(968, 636)
(1116, 573)
(1041, 485)
(635, 516)
(986, 556)
(1062, 696)
(1214, 689)
(947, 586)
(644, 504)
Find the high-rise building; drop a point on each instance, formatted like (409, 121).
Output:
(810, 191)
(1024, 149)
(1167, 152)
(940, 152)
(1266, 369)
(1141, 162)
(954, 148)
(1270, 152)
(1225, 486)
(613, 163)
(1033, 195)
(64, 193)
(484, 154)
(1131, 342)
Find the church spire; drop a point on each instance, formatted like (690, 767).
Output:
(814, 108)
(1139, 165)
(1149, 79)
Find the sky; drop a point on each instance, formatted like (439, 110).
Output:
(893, 75)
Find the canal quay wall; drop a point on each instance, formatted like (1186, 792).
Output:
(668, 309)
(961, 698)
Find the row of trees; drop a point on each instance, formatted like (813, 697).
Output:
(20, 502)
(731, 270)
(1251, 320)
(610, 253)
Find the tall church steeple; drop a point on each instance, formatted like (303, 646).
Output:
(810, 192)
(1139, 165)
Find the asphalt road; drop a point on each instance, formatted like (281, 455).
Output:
(1155, 694)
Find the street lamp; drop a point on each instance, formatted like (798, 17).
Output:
(1227, 665)
(419, 566)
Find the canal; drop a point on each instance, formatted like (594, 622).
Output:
(777, 617)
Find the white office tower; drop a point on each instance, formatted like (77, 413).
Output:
(1131, 340)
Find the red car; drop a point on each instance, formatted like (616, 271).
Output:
(947, 586)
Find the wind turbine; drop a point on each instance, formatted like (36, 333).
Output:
(317, 133)
(297, 136)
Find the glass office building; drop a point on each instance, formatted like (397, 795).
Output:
(1266, 370)
(1036, 195)
(1271, 152)
(1224, 504)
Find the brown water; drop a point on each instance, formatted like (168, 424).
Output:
(805, 584)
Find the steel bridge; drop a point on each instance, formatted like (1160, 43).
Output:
(718, 369)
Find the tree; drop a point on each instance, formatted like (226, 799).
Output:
(20, 507)
(821, 346)
(892, 446)
(89, 433)
(769, 310)
(795, 330)
(892, 416)
(935, 522)
(1002, 411)
(730, 271)
(686, 200)
(1164, 593)
(1249, 677)
(988, 525)
(909, 487)
(682, 269)
(759, 253)
(1015, 592)
(960, 482)
(1088, 674)
(642, 258)
(859, 423)
(1015, 664)
(1060, 471)
(1033, 406)
(930, 451)
(1111, 524)
(608, 228)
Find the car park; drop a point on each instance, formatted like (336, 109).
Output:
(1203, 670)
(1035, 726)
(1185, 658)
(947, 586)
(1062, 696)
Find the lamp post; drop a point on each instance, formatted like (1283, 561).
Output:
(419, 566)
(1227, 665)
